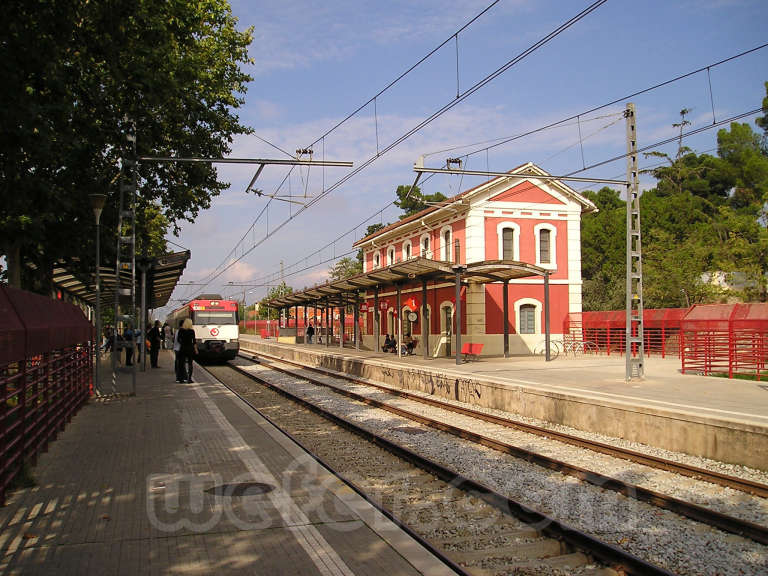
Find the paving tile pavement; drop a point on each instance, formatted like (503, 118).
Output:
(130, 487)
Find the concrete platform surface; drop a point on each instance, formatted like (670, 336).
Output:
(720, 418)
(148, 484)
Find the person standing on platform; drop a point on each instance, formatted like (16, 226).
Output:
(177, 354)
(129, 346)
(310, 333)
(188, 349)
(155, 340)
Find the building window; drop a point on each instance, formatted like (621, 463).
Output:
(390, 255)
(527, 319)
(546, 236)
(445, 236)
(508, 234)
(507, 244)
(407, 250)
(544, 246)
(376, 260)
(425, 246)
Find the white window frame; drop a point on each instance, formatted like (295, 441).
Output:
(537, 314)
(443, 230)
(500, 239)
(428, 252)
(409, 245)
(552, 264)
(374, 262)
(391, 254)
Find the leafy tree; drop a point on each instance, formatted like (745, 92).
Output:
(368, 231)
(266, 311)
(603, 253)
(345, 268)
(76, 72)
(411, 200)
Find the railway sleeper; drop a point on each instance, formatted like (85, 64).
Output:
(560, 563)
(526, 551)
(514, 534)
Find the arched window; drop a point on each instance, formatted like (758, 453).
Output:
(407, 250)
(509, 241)
(545, 236)
(445, 239)
(426, 251)
(390, 255)
(377, 260)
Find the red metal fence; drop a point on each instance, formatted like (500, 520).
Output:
(726, 339)
(45, 374)
(607, 330)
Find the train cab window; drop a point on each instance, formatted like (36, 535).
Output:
(203, 317)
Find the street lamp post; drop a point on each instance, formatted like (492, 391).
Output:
(97, 203)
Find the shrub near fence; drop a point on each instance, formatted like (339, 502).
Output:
(46, 369)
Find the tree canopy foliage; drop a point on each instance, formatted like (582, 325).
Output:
(704, 235)
(345, 268)
(411, 200)
(267, 312)
(76, 73)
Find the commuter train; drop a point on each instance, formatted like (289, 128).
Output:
(215, 323)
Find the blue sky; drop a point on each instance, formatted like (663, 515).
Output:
(315, 63)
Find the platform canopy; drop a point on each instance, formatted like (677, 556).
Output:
(163, 273)
(341, 292)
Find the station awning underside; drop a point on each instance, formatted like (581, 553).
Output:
(163, 273)
(342, 292)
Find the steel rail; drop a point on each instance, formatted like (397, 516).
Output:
(385, 511)
(690, 510)
(734, 482)
(621, 560)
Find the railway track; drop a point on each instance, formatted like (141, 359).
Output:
(724, 522)
(713, 477)
(480, 532)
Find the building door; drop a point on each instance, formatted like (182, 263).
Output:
(447, 329)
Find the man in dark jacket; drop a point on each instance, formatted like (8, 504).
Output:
(155, 340)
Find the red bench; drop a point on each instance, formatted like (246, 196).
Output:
(471, 350)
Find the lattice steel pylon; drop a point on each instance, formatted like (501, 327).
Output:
(125, 266)
(634, 348)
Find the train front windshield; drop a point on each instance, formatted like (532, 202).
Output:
(207, 317)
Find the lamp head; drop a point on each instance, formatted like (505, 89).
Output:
(97, 203)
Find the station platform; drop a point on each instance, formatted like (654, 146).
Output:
(719, 418)
(186, 479)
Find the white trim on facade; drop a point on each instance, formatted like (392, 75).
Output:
(391, 254)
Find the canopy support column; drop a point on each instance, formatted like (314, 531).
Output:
(342, 310)
(457, 316)
(425, 323)
(376, 320)
(328, 324)
(399, 324)
(505, 297)
(546, 316)
(357, 322)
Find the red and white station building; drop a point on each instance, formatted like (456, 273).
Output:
(524, 230)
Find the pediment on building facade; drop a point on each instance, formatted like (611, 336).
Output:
(527, 192)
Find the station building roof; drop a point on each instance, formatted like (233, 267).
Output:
(340, 292)
(163, 273)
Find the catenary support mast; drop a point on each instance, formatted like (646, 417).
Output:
(635, 351)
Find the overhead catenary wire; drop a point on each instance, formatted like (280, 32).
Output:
(471, 90)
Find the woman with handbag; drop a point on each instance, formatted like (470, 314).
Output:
(188, 349)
